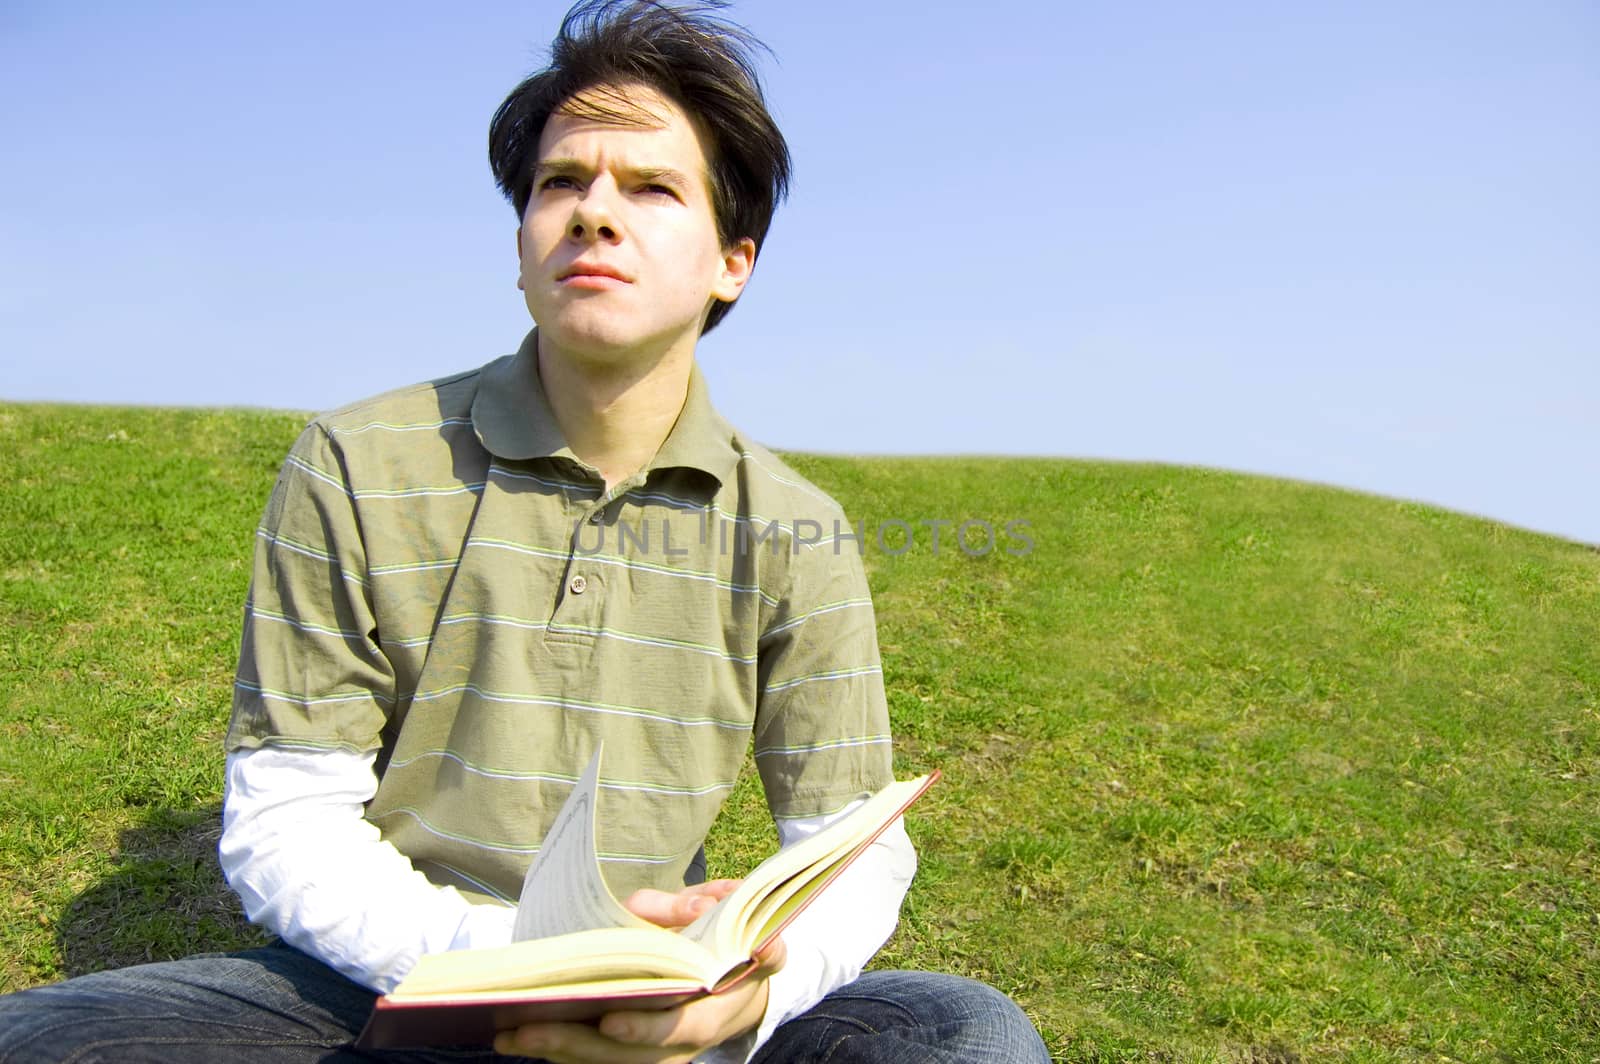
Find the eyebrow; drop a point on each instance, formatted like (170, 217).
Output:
(575, 168)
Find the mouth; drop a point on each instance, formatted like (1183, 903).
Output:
(580, 272)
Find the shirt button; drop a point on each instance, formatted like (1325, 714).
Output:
(577, 585)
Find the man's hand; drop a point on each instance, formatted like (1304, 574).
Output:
(664, 1036)
(679, 908)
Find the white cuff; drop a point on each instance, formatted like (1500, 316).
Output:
(308, 866)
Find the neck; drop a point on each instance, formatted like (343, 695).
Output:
(615, 416)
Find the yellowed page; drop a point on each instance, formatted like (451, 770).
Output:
(610, 953)
(725, 929)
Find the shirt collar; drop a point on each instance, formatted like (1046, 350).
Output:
(513, 420)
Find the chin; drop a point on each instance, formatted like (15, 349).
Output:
(596, 346)
(602, 341)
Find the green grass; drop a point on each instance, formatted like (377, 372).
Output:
(1236, 769)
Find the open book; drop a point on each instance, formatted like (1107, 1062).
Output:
(577, 953)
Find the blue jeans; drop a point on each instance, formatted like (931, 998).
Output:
(275, 1005)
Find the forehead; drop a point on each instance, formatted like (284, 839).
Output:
(633, 122)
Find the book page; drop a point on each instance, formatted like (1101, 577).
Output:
(799, 871)
(606, 954)
(564, 891)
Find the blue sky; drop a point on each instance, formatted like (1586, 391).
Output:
(1355, 243)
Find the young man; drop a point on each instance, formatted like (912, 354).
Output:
(462, 588)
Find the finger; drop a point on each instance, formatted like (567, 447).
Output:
(716, 888)
(771, 957)
(704, 1021)
(667, 909)
(578, 1043)
(679, 908)
(697, 1023)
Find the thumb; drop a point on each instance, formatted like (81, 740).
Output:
(667, 909)
(771, 957)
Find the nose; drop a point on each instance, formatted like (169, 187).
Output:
(593, 217)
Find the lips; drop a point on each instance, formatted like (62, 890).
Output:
(581, 270)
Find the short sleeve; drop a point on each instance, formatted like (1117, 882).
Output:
(311, 671)
(822, 724)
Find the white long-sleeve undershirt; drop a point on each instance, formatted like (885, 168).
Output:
(309, 867)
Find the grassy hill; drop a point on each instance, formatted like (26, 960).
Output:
(1237, 769)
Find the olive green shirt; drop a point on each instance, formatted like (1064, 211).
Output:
(439, 578)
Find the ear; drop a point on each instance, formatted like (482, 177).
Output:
(519, 258)
(737, 263)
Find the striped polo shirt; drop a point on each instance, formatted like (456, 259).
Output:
(438, 577)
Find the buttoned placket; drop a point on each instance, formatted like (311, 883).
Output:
(578, 607)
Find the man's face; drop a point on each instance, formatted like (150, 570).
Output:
(618, 246)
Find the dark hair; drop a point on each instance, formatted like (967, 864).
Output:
(699, 61)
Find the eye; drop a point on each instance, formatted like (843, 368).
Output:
(557, 181)
(659, 190)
